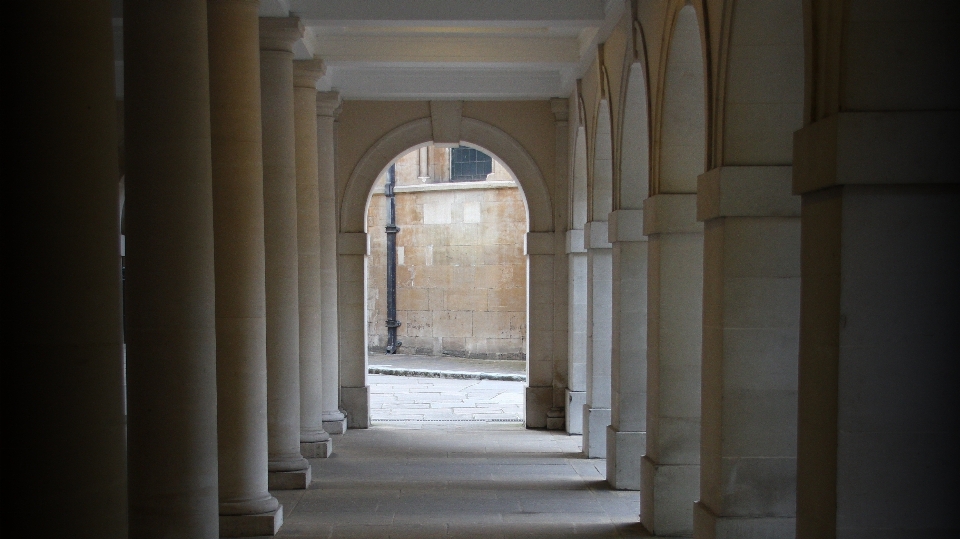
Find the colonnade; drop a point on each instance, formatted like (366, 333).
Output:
(225, 185)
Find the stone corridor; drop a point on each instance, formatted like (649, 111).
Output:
(423, 480)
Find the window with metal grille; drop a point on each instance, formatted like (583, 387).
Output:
(469, 165)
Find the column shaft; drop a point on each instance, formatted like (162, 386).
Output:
(170, 323)
(328, 104)
(239, 264)
(596, 410)
(626, 436)
(314, 441)
(288, 468)
(63, 433)
(670, 469)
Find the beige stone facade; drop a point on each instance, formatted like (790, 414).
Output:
(461, 270)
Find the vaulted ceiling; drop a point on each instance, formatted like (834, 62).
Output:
(445, 49)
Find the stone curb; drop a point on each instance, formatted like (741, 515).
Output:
(459, 375)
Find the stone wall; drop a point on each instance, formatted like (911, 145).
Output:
(461, 271)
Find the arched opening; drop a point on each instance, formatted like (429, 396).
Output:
(353, 269)
(460, 289)
(682, 155)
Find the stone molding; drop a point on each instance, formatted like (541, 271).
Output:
(353, 243)
(538, 243)
(445, 118)
(625, 225)
(307, 72)
(875, 148)
(671, 214)
(280, 33)
(596, 235)
(758, 191)
(575, 242)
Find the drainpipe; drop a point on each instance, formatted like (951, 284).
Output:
(392, 324)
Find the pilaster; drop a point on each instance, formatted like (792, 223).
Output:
(626, 435)
(576, 392)
(670, 468)
(596, 409)
(751, 303)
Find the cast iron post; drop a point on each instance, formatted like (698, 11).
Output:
(392, 324)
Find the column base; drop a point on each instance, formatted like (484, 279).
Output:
(335, 426)
(595, 423)
(555, 419)
(356, 406)
(625, 450)
(708, 525)
(539, 400)
(251, 525)
(665, 494)
(316, 450)
(575, 401)
(295, 480)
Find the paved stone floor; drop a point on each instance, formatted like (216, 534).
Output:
(455, 474)
(399, 398)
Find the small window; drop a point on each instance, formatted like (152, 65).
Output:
(469, 165)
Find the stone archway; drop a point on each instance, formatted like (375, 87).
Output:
(352, 250)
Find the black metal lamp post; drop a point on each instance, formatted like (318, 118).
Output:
(392, 324)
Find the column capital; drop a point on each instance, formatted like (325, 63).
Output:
(328, 103)
(279, 33)
(560, 108)
(307, 72)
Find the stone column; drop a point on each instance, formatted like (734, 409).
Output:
(314, 441)
(170, 325)
(352, 252)
(596, 409)
(246, 506)
(539, 394)
(878, 406)
(670, 469)
(577, 331)
(288, 468)
(751, 309)
(64, 445)
(328, 106)
(627, 433)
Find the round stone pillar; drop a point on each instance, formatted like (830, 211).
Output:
(288, 469)
(314, 441)
(170, 327)
(64, 425)
(328, 106)
(246, 506)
